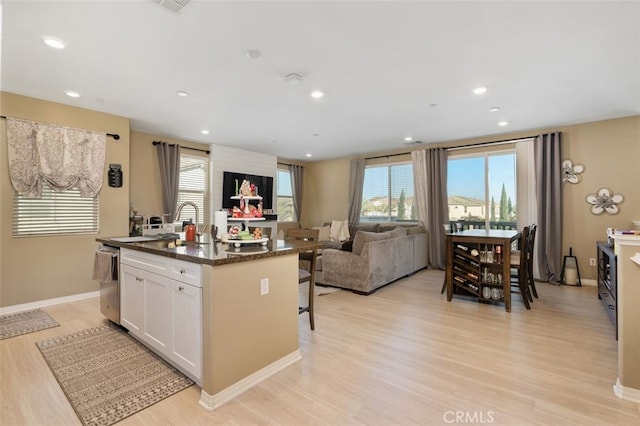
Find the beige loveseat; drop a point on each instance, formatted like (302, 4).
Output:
(376, 259)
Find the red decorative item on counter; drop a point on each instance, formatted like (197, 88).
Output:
(190, 233)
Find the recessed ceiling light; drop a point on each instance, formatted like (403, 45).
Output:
(72, 93)
(503, 123)
(317, 94)
(408, 139)
(204, 132)
(308, 154)
(54, 42)
(480, 90)
(182, 93)
(253, 54)
(494, 109)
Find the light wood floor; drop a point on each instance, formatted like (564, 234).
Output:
(402, 356)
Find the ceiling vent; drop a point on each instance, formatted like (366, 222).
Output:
(173, 5)
(293, 79)
(413, 143)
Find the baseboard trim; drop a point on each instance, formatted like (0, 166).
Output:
(628, 394)
(48, 302)
(211, 402)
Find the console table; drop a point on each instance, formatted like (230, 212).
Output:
(607, 281)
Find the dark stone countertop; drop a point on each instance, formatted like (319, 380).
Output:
(214, 252)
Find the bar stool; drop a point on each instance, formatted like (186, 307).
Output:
(306, 276)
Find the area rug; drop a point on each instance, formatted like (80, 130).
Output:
(107, 375)
(20, 323)
(322, 291)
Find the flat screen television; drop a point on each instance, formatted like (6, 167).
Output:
(264, 184)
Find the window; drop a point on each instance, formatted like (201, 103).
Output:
(286, 213)
(387, 194)
(482, 189)
(194, 187)
(56, 213)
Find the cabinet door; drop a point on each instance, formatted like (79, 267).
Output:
(157, 310)
(132, 299)
(187, 327)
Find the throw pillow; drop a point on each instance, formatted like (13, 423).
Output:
(347, 245)
(339, 230)
(345, 231)
(325, 233)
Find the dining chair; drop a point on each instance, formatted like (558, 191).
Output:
(530, 245)
(304, 274)
(520, 269)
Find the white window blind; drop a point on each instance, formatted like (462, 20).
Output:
(56, 213)
(387, 194)
(194, 187)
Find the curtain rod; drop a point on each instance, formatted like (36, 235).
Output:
(183, 147)
(455, 148)
(502, 142)
(115, 136)
(387, 156)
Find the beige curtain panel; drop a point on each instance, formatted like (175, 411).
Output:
(61, 156)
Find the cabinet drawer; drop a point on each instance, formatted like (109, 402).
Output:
(608, 301)
(186, 272)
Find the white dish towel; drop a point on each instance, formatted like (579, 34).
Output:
(103, 264)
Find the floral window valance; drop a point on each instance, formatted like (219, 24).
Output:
(61, 156)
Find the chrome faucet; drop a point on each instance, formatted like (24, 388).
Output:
(195, 207)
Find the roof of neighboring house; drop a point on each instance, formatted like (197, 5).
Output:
(465, 201)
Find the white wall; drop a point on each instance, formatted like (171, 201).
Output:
(224, 158)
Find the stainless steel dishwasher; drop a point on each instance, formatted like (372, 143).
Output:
(110, 291)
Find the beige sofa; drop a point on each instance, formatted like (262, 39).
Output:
(376, 259)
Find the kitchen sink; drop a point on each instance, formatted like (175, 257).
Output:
(157, 244)
(164, 244)
(138, 239)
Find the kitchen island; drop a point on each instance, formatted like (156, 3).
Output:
(246, 335)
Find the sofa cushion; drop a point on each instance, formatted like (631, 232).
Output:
(412, 230)
(363, 237)
(399, 231)
(369, 227)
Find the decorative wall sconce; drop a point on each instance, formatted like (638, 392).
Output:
(605, 201)
(571, 172)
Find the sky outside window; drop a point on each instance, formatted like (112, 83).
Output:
(465, 176)
(284, 184)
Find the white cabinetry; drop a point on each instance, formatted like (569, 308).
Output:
(161, 304)
(131, 299)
